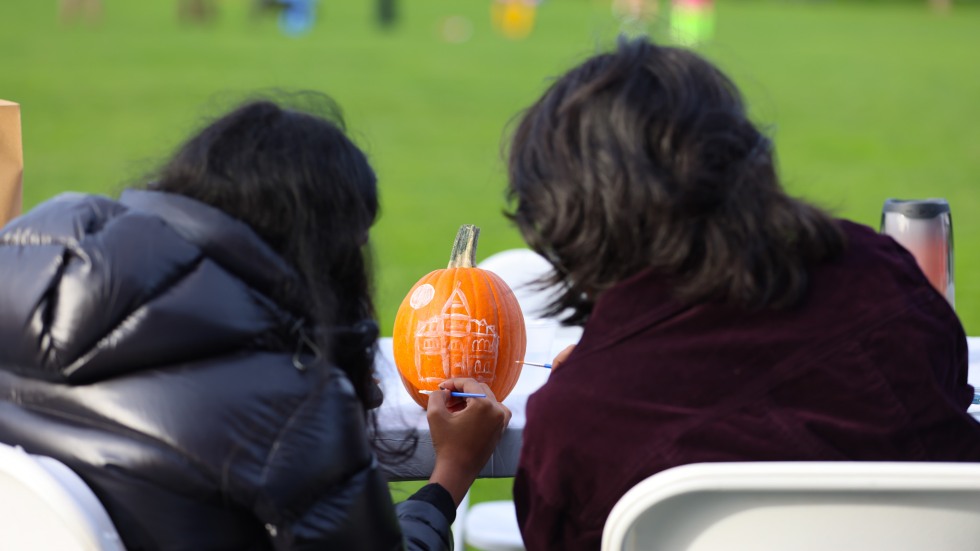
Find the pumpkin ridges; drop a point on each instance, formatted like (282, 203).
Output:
(406, 324)
(496, 284)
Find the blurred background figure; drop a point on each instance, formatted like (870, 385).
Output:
(387, 13)
(635, 16)
(267, 7)
(692, 22)
(72, 10)
(941, 6)
(196, 11)
(514, 18)
(297, 16)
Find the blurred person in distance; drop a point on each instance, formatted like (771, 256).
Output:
(941, 6)
(723, 319)
(200, 351)
(692, 22)
(72, 10)
(197, 11)
(514, 18)
(635, 16)
(295, 17)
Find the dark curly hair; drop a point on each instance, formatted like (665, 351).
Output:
(645, 159)
(283, 164)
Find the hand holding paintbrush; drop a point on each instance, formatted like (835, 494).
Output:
(464, 432)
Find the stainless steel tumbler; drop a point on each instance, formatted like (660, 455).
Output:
(925, 228)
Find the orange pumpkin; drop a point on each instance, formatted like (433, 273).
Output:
(459, 322)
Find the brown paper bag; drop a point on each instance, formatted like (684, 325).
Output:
(11, 161)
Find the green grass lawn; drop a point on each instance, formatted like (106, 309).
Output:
(865, 101)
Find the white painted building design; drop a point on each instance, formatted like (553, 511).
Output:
(454, 344)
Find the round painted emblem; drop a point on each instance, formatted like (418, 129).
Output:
(422, 296)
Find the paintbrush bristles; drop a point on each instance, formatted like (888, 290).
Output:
(534, 364)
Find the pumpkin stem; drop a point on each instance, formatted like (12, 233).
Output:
(464, 248)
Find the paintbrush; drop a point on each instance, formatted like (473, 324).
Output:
(548, 366)
(456, 394)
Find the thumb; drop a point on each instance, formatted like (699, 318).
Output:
(437, 403)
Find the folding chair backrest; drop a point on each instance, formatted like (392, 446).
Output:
(801, 506)
(45, 505)
(520, 268)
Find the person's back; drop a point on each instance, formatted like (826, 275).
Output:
(871, 367)
(723, 320)
(160, 302)
(201, 352)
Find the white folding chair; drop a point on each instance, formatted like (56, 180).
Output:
(801, 506)
(45, 505)
(492, 526)
(458, 525)
(520, 268)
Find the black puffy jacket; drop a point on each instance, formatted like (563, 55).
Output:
(139, 345)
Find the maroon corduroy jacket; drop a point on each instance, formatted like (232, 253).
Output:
(871, 366)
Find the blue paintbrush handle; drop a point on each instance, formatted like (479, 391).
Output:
(458, 394)
(467, 394)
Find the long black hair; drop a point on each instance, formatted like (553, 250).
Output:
(645, 159)
(305, 188)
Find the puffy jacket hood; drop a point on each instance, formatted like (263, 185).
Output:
(85, 281)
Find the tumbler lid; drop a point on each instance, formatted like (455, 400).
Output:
(916, 208)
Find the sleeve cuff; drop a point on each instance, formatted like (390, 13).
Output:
(438, 497)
